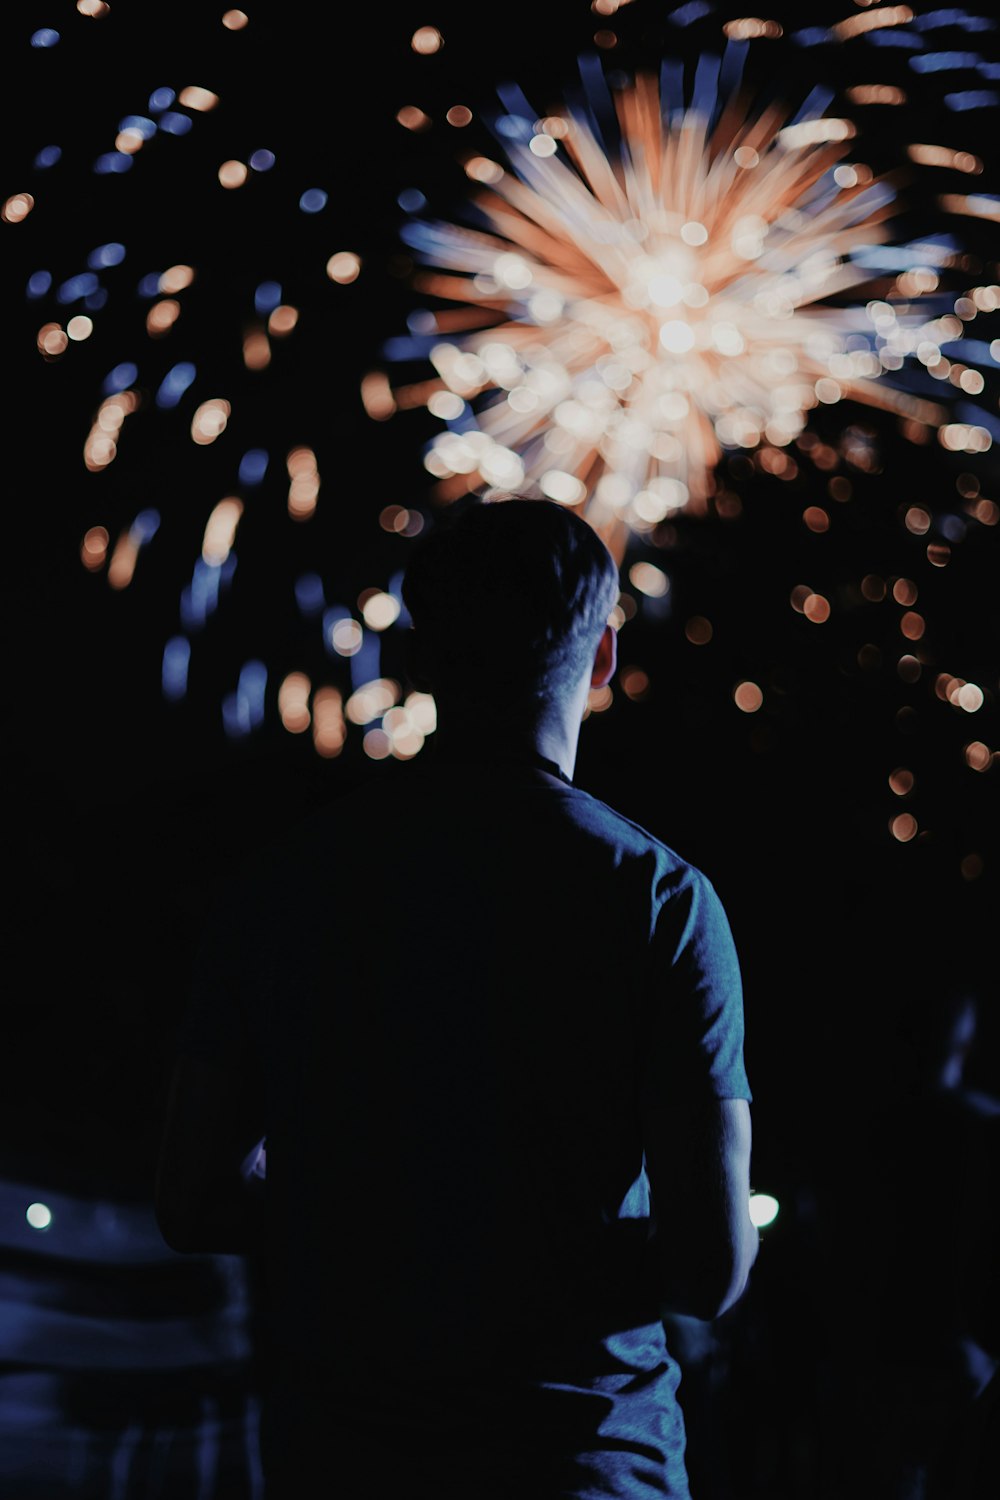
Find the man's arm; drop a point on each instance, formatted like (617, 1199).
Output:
(209, 1180)
(704, 1243)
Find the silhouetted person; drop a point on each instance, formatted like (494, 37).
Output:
(492, 1033)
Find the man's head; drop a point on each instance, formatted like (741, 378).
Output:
(509, 598)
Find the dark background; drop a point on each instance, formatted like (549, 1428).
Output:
(124, 812)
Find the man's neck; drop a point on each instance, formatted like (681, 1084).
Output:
(542, 743)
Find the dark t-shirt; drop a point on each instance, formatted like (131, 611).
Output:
(449, 991)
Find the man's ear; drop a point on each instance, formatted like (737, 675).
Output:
(605, 658)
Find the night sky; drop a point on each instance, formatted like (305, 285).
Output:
(125, 811)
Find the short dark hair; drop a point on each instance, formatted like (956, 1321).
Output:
(509, 594)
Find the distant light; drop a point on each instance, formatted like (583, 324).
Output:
(112, 161)
(94, 548)
(174, 123)
(17, 208)
(145, 526)
(649, 579)
(262, 161)
(220, 530)
(79, 328)
(309, 594)
(564, 488)
(902, 781)
(694, 233)
(232, 174)
(371, 700)
(293, 703)
(749, 27)
(47, 157)
(413, 118)
(876, 93)
(76, 287)
(346, 637)
(176, 661)
(978, 756)
(763, 1209)
(380, 611)
(748, 697)
(174, 384)
(52, 340)
(377, 744)
(267, 296)
(194, 97)
(139, 124)
(313, 201)
(426, 39)
(256, 350)
(162, 316)
(96, 9)
(161, 99)
(176, 278)
(411, 200)
(282, 320)
(903, 827)
(816, 608)
(234, 718)
(344, 266)
(120, 378)
(250, 693)
(972, 99)
(209, 421)
(543, 145)
(677, 336)
(459, 115)
(149, 285)
(235, 20)
(635, 683)
(692, 11)
(698, 630)
(329, 729)
(38, 1215)
(253, 466)
(45, 36)
(111, 254)
(38, 283)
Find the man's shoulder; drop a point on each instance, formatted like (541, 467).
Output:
(636, 840)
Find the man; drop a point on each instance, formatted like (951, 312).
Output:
(492, 1032)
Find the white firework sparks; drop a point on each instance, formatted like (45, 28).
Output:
(630, 317)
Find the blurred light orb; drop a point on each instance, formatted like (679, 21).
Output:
(233, 174)
(763, 1209)
(38, 1215)
(313, 201)
(17, 208)
(235, 20)
(344, 267)
(748, 697)
(426, 40)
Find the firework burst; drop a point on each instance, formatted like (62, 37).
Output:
(630, 314)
